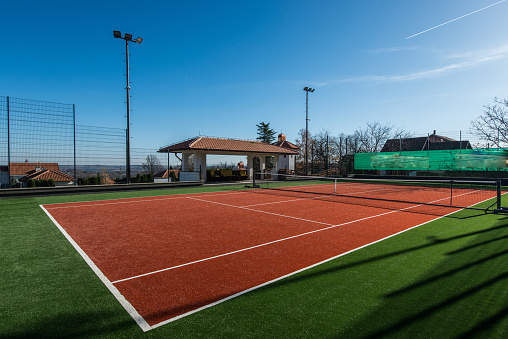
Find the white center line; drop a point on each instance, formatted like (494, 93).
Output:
(267, 243)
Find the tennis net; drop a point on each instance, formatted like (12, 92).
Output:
(480, 195)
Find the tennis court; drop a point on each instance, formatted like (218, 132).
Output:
(167, 257)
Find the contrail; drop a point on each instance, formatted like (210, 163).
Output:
(455, 19)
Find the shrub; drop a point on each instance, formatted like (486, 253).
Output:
(172, 175)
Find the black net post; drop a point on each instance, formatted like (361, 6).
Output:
(451, 193)
(498, 183)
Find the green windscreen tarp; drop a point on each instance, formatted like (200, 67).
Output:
(448, 160)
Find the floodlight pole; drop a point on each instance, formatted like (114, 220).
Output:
(307, 90)
(127, 38)
(128, 142)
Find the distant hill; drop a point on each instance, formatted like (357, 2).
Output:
(85, 171)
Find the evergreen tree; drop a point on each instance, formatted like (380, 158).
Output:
(265, 133)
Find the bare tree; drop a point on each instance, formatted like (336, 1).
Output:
(152, 165)
(492, 126)
(400, 133)
(104, 177)
(373, 136)
(300, 142)
(325, 148)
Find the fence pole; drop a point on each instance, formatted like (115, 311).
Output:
(74, 132)
(499, 195)
(8, 142)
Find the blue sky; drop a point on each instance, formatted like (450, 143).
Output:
(218, 68)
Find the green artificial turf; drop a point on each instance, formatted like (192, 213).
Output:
(444, 279)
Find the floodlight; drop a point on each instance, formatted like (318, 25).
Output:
(307, 90)
(127, 37)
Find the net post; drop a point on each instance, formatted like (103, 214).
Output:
(254, 185)
(498, 184)
(451, 192)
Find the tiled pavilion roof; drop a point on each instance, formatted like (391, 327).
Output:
(226, 145)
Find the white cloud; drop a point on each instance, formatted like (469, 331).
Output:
(469, 60)
(392, 49)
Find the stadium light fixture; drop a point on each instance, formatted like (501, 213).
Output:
(127, 38)
(307, 90)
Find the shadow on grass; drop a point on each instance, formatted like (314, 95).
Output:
(433, 309)
(334, 269)
(485, 325)
(75, 325)
(461, 297)
(448, 273)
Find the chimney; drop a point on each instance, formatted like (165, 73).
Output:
(282, 137)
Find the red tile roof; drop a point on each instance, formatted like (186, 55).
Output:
(286, 144)
(165, 174)
(225, 145)
(23, 168)
(46, 174)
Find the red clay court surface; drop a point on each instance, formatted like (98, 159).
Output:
(167, 257)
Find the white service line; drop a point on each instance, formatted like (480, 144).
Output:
(280, 202)
(123, 201)
(250, 248)
(141, 321)
(330, 226)
(287, 275)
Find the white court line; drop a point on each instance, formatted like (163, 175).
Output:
(284, 201)
(121, 299)
(145, 326)
(252, 247)
(144, 199)
(323, 195)
(330, 226)
(165, 322)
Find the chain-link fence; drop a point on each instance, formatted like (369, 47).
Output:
(45, 134)
(334, 156)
